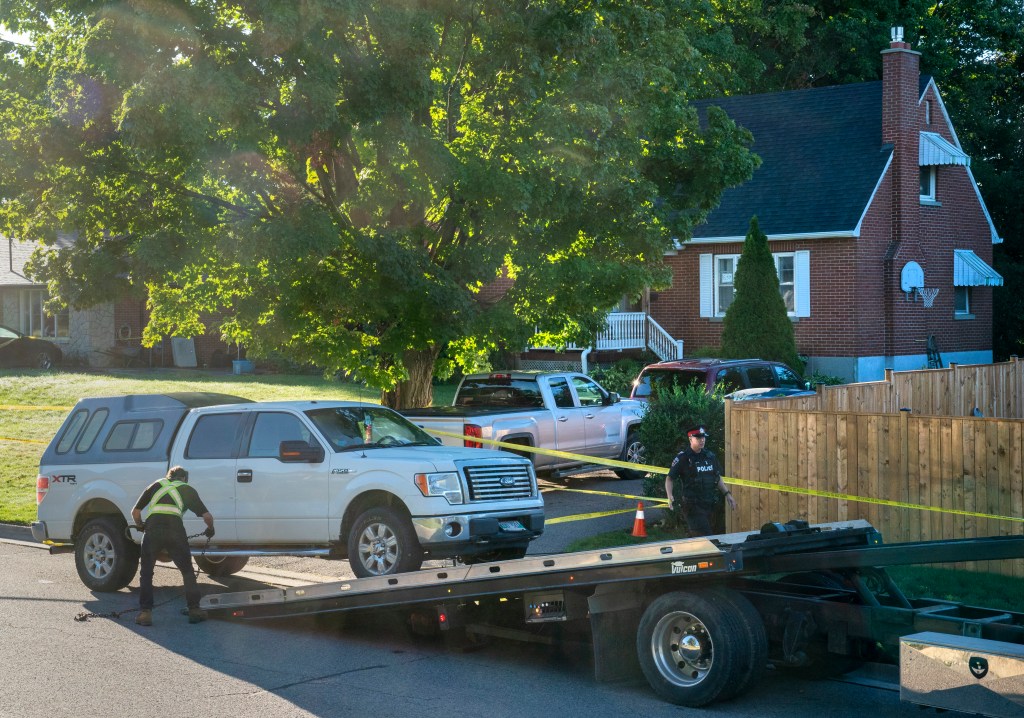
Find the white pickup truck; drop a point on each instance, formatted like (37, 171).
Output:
(310, 478)
(565, 411)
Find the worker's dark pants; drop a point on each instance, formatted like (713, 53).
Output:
(703, 519)
(173, 540)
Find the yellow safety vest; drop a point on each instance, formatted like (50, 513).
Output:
(168, 488)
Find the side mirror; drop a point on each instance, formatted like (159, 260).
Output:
(612, 398)
(299, 452)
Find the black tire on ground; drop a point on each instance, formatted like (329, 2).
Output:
(44, 360)
(221, 565)
(382, 542)
(499, 554)
(633, 452)
(106, 560)
(692, 647)
(820, 664)
(753, 628)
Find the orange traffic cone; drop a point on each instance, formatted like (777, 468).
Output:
(639, 529)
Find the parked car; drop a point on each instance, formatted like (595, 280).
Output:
(773, 392)
(306, 478)
(564, 411)
(17, 349)
(732, 374)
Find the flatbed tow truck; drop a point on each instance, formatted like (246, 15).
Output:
(700, 618)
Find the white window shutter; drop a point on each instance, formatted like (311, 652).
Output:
(707, 285)
(802, 280)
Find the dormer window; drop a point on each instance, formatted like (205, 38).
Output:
(928, 184)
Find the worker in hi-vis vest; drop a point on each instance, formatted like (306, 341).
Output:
(166, 501)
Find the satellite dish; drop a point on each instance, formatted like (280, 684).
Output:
(911, 277)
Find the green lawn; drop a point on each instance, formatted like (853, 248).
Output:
(967, 587)
(62, 389)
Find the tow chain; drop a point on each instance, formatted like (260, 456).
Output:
(85, 615)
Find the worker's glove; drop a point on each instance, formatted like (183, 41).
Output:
(209, 532)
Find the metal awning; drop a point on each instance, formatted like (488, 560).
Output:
(934, 150)
(970, 270)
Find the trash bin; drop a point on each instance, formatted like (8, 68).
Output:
(242, 366)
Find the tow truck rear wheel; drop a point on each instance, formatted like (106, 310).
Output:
(382, 542)
(105, 559)
(221, 565)
(633, 452)
(692, 647)
(753, 629)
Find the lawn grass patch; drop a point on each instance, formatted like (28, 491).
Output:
(20, 464)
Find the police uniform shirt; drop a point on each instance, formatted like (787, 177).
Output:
(189, 497)
(697, 473)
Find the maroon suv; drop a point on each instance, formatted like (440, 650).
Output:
(733, 374)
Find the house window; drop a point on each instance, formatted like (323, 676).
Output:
(725, 277)
(962, 301)
(35, 321)
(787, 280)
(927, 112)
(927, 184)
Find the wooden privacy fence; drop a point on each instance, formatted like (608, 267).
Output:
(960, 463)
(996, 390)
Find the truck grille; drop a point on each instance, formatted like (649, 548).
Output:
(499, 483)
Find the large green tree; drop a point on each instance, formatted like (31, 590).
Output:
(756, 323)
(343, 180)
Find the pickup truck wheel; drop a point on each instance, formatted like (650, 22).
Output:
(105, 559)
(633, 452)
(692, 647)
(221, 565)
(382, 542)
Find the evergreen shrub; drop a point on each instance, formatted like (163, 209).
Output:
(756, 323)
(666, 421)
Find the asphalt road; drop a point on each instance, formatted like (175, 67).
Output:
(366, 664)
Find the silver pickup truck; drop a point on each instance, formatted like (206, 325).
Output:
(308, 478)
(566, 411)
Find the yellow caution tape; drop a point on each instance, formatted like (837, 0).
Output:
(863, 499)
(554, 452)
(23, 441)
(32, 407)
(581, 517)
(728, 480)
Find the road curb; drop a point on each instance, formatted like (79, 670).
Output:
(18, 535)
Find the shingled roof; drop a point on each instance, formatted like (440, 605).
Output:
(822, 157)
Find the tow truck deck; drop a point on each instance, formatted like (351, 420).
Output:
(700, 618)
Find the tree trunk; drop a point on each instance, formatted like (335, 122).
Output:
(417, 390)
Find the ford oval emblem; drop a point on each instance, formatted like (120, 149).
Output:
(507, 481)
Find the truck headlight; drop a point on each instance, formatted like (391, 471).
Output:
(444, 484)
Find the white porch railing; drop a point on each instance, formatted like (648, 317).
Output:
(633, 330)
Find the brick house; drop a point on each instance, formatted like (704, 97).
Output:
(879, 232)
(109, 334)
(863, 192)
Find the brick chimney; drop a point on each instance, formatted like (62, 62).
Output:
(901, 128)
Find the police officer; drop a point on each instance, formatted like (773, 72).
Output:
(695, 488)
(167, 499)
